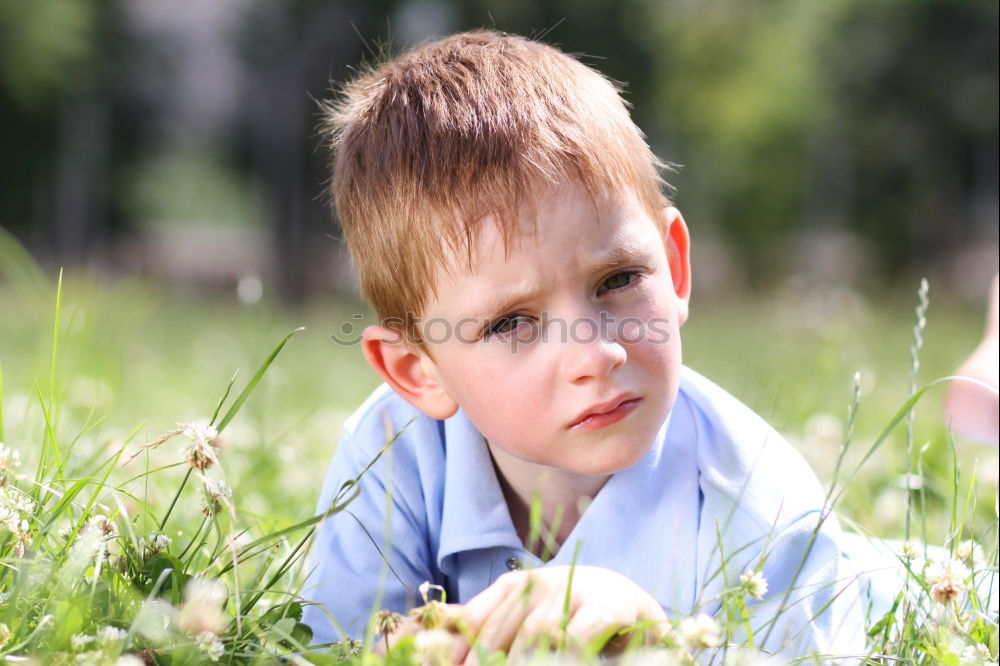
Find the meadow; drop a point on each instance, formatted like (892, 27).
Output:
(111, 561)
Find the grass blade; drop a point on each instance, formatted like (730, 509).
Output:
(235, 407)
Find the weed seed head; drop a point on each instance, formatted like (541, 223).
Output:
(202, 453)
(387, 621)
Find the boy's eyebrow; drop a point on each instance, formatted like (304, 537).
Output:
(621, 255)
(615, 258)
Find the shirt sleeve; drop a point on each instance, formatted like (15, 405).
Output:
(374, 553)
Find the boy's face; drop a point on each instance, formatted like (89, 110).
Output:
(566, 352)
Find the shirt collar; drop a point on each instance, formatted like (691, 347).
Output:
(475, 513)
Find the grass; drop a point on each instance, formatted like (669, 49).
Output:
(93, 369)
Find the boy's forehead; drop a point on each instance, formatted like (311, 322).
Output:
(549, 208)
(545, 233)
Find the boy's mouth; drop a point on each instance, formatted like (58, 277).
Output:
(606, 413)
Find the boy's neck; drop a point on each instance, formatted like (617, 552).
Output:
(562, 496)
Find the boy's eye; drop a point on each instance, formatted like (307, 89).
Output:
(619, 280)
(504, 325)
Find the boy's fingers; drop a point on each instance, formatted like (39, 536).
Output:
(591, 627)
(499, 628)
(475, 612)
(542, 627)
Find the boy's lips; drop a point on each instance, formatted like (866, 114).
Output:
(606, 413)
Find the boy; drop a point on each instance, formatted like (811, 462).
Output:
(507, 223)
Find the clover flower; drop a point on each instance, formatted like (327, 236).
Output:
(433, 647)
(102, 526)
(700, 631)
(129, 660)
(947, 579)
(202, 453)
(109, 637)
(976, 655)
(202, 610)
(210, 644)
(754, 584)
(217, 495)
(970, 551)
(10, 460)
(909, 550)
(79, 642)
(22, 536)
(154, 545)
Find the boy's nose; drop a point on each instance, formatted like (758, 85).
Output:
(594, 355)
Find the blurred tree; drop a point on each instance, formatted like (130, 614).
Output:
(295, 51)
(54, 121)
(917, 103)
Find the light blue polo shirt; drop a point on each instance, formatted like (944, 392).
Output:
(717, 479)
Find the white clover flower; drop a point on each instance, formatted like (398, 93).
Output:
(433, 647)
(22, 537)
(700, 631)
(10, 460)
(945, 569)
(129, 660)
(653, 657)
(970, 551)
(102, 526)
(947, 579)
(742, 657)
(154, 545)
(216, 496)
(202, 608)
(754, 584)
(909, 550)
(202, 452)
(109, 637)
(80, 641)
(210, 644)
(976, 655)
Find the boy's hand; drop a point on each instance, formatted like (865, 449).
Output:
(523, 608)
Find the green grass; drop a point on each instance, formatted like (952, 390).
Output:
(114, 364)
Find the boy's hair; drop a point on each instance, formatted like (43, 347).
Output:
(469, 127)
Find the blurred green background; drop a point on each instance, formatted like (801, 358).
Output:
(828, 154)
(830, 142)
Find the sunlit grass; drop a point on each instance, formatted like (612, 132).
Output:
(87, 381)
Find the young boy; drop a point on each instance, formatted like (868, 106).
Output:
(506, 220)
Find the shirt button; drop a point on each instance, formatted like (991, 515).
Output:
(513, 564)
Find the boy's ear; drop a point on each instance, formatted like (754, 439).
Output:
(410, 372)
(678, 246)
